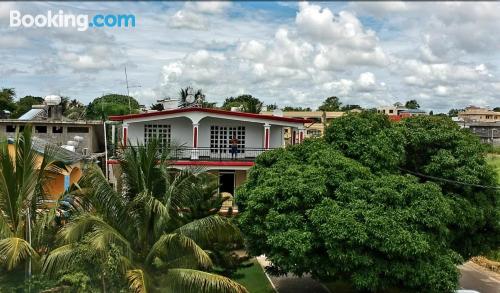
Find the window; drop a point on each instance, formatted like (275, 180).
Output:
(391, 111)
(10, 128)
(40, 129)
(160, 132)
(314, 133)
(57, 129)
(78, 129)
(220, 136)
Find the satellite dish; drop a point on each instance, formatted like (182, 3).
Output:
(190, 99)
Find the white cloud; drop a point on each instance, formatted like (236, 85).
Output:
(441, 90)
(194, 14)
(366, 82)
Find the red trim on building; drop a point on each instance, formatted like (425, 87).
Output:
(206, 110)
(204, 163)
(195, 137)
(125, 136)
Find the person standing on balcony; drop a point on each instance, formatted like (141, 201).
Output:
(234, 147)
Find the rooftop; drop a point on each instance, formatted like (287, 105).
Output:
(210, 111)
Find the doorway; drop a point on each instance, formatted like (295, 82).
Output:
(226, 182)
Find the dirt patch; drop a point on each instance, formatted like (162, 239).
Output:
(486, 263)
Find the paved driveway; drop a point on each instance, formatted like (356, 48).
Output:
(474, 277)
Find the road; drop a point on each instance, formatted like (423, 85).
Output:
(474, 277)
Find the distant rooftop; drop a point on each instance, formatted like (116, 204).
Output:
(61, 154)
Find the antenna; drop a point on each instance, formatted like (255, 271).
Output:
(128, 90)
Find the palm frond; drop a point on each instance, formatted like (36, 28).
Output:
(14, 250)
(137, 281)
(59, 258)
(188, 281)
(176, 245)
(211, 229)
(99, 233)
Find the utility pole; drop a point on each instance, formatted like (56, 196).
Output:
(128, 90)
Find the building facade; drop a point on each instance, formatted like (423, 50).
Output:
(225, 143)
(478, 114)
(82, 136)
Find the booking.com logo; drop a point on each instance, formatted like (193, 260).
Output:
(79, 21)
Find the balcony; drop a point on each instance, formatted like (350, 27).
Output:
(211, 154)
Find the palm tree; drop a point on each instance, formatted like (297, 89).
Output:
(148, 222)
(22, 177)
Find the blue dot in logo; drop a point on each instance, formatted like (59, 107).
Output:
(91, 24)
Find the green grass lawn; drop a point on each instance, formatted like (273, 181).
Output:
(494, 160)
(253, 278)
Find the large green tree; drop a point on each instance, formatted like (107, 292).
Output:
(111, 104)
(412, 104)
(148, 228)
(377, 204)
(7, 99)
(247, 103)
(24, 105)
(330, 104)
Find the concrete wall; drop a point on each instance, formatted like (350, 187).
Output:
(91, 139)
(181, 131)
(254, 132)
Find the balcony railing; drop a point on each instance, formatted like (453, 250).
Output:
(213, 154)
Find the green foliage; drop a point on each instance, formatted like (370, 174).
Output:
(330, 104)
(146, 233)
(111, 104)
(366, 205)
(369, 138)
(247, 103)
(350, 107)
(24, 105)
(296, 109)
(454, 112)
(7, 99)
(157, 107)
(73, 109)
(412, 104)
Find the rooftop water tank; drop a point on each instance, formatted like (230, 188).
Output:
(52, 100)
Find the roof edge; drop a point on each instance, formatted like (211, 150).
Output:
(208, 110)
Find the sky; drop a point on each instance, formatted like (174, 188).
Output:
(443, 54)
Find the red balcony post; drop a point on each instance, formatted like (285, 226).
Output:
(267, 135)
(125, 130)
(194, 152)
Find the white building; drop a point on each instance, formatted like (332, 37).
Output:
(204, 136)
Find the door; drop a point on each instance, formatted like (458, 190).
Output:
(226, 182)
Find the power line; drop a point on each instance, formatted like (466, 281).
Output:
(449, 180)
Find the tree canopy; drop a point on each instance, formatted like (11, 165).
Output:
(412, 104)
(298, 109)
(7, 99)
(330, 104)
(247, 103)
(363, 204)
(111, 104)
(24, 105)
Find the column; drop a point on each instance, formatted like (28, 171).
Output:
(125, 132)
(301, 134)
(194, 151)
(267, 135)
(294, 133)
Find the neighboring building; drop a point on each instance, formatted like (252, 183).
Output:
(82, 136)
(204, 136)
(398, 112)
(478, 114)
(488, 132)
(61, 176)
(315, 128)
